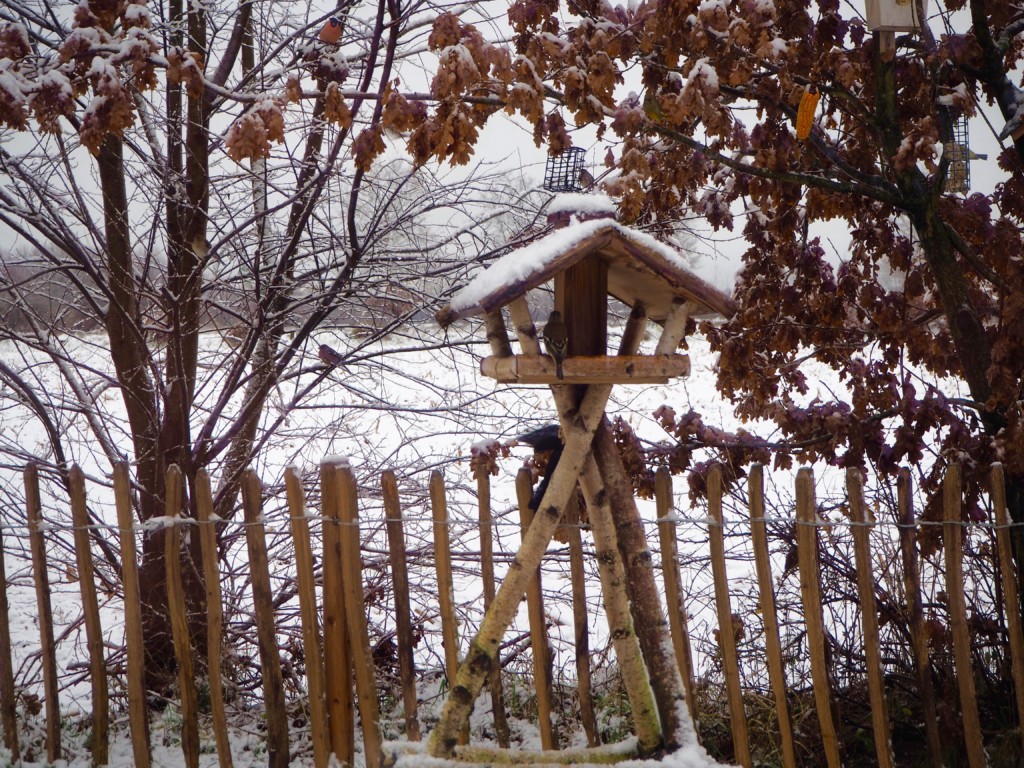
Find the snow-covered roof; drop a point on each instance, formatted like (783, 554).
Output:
(641, 268)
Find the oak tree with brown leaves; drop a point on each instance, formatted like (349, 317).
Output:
(697, 102)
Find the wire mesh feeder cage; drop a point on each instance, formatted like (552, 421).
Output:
(565, 171)
(958, 178)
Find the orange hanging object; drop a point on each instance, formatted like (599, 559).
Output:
(331, 32)
(805, 112)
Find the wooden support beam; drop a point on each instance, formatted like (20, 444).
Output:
(497, 335)
(631, 369)
(675, 327)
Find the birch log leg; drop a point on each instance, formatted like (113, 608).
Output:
(616, 606)
(480, 658)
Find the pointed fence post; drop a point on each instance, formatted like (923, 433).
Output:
(138, 714)
(37, 543)
(915, 609)
(1011, 589)
(953, 535)
(266, 634)
(766, 595)
(100, 746)
(307, 612)
(403, 622)
(726, 631)
(179, 618)
(214, 616)
(869, 616)
(355, 615)
(810, 593)
(8, 706)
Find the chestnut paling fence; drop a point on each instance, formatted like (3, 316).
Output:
(339, 667)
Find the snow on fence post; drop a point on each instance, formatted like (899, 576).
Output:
(674, 599)
(355, 615)
(483, 495)
(766, 598)
(869, 616)
(179, 618)
(581, 628)
(952, 536)
(263, 610)
(100, 742)
(138, 714)
(337, 659)
(48, 659)
(810, 594)
(8, 707)
(1011, 589)
(726, 628)
(214, 616)
(306, 587)
(915, 609)
(538, 622)
(403, 622)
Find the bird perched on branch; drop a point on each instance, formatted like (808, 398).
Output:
(331, 31)
(556, 340)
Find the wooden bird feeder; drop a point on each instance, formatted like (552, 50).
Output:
(589, 257)
(894, 15)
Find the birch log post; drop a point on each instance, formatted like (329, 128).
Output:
(617, 613)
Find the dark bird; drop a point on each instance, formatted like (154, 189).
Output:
(556, 340)
(330, 355)
(542, 440)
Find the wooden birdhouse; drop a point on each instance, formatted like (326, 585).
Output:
(894, 15)
(589, 257)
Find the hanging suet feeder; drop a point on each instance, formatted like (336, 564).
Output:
(565, 172)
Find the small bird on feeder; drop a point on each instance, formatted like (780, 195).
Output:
(331, 31)
(556, 340)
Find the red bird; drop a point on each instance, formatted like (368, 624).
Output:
(331, 32)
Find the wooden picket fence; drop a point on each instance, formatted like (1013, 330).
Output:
(335, 634)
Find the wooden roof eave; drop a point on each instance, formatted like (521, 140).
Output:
(690, 286)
